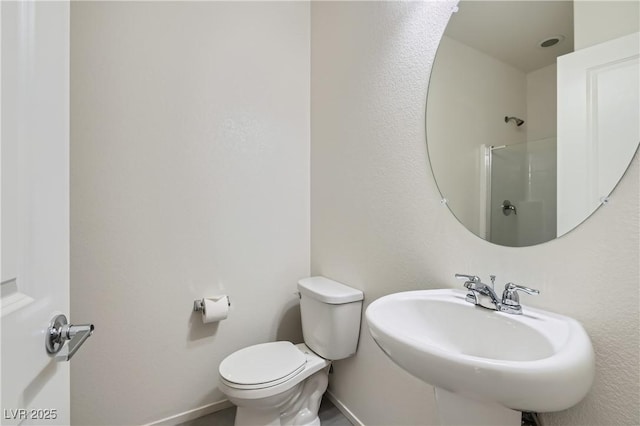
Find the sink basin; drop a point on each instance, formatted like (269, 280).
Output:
(538, 361)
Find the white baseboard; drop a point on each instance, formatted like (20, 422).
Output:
(344, 410)
(221, 405)
(192, 414)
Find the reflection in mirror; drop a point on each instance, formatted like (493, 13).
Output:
(533, 113)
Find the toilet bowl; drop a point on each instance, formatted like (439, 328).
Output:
(281, 384)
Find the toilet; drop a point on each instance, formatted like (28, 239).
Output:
(279, 383)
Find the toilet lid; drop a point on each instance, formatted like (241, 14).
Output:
(262, 364)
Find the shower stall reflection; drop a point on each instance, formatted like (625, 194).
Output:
(520, 179)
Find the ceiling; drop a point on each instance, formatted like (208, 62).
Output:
(511, 31)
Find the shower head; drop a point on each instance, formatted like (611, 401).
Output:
(518, 121)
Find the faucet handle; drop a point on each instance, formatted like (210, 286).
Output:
(510, 295)
(473, 278)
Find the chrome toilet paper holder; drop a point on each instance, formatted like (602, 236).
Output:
(198, 304)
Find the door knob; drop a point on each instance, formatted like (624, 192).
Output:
(60, 331)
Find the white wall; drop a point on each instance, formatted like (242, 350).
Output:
(377, 223)
(542, 111)
(472, 92)
(189, 178)
(598, 21)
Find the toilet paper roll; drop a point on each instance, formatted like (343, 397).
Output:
(215, 309)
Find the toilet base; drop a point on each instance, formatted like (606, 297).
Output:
(299, 409)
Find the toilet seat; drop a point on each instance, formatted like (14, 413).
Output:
(235, 392)
(261, 366)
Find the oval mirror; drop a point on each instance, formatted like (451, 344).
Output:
(533, 113)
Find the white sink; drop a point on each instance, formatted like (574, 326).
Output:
(537, 361)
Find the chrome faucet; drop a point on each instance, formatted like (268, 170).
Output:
(484, 295)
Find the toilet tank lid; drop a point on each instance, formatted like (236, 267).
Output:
(329, 291)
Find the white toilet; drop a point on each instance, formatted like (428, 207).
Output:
(280, 383)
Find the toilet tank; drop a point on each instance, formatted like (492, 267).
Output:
(331, 314)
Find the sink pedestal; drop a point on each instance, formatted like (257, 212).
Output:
(457, 410)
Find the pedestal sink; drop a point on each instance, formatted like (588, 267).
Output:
(495, 364)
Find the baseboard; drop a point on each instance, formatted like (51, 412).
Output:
(221, 405)
(192, 414)
(344, 410)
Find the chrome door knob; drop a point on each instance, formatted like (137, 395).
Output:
(60, 331)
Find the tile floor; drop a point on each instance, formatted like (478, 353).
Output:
(328, 413)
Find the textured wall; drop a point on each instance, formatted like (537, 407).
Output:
(189, 177)
(377, 224)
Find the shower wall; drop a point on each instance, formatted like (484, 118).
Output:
(524, 174)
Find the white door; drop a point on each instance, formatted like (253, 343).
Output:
(35, 208)
(598, 128)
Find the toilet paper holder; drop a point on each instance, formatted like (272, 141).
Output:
(198, 304)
